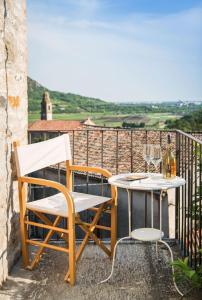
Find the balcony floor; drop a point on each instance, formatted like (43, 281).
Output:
(137, 275)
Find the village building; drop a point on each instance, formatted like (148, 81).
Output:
(49, 125)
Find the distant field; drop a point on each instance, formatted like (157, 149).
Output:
(154, 120)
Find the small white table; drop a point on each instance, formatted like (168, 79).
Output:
(154, 182)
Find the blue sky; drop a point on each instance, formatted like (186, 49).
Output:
(117, 50)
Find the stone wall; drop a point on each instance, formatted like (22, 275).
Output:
(13, 122)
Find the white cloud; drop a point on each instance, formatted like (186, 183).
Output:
(141, 57)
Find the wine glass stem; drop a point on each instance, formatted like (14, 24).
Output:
(148, 167)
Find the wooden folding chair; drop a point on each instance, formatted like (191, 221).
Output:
(65, 204)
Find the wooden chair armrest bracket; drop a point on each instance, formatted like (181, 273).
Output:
(96, 170)
(49, 183)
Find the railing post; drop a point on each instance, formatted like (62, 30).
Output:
(131, 152)
(200, 201)
(87, 149)
(102, 160)
(177, 193)
(117, 152)
(145, 199)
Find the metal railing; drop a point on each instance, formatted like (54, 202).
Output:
(120, 151)
(189, 199)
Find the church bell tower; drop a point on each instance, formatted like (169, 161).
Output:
(46, 107)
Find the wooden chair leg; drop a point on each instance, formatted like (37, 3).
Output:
(23, 229)
(72, 250)
(89, 232)
(113, 227)
(23, 226)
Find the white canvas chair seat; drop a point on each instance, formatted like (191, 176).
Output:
(57, 204)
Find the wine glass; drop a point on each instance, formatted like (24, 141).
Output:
(147, 151)
(156, 156)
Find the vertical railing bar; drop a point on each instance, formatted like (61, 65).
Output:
(73, 147)
(195, 206)
(160, 140)
(102, 161)
(177, 190)
(29, 188)
(189, 198)
(102, 148)
(73, 159)
(180, 193)
(131, 170)
(59, 177)
(187, 195)
(200, 200)
(117, 151)
(146, 166)
(87, 149)
(191, 212)
(44, 139)
(131, 152)
(185, 198)
(183, 189)
(145, 201)
(44, 176)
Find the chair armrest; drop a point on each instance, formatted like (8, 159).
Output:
(97, 170)
(52, 184)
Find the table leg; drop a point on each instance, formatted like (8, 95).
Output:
(171, 255)
(152, 218)
(113, 261)
(161, 197)
(166, 244)
(124, 238)
(152, 209)
(129, 212)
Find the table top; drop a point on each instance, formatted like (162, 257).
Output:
(154, 181)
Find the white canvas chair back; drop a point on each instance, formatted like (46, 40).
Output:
(37, 156)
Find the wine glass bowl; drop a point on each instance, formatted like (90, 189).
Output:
(156, 156)
(147, 152)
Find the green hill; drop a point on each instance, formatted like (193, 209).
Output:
(65, 102)
(73, 103)
(68, 106)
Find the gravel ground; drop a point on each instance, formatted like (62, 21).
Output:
(138, 274)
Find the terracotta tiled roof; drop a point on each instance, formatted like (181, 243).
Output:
(55, 125)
